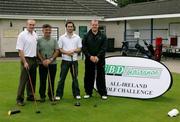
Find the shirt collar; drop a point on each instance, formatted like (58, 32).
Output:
(68, 36)
(28, 31)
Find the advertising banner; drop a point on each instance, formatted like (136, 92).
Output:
(136, 77)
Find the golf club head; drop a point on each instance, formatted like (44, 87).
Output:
(11, 112)
(38, 111)
(77, 104)
(53, 103)
(95, 105)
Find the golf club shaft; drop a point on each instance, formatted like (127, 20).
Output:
(50, 84)
(73, 74)
(33, 92)
(49, 80)
(95, 105)
(72, 66)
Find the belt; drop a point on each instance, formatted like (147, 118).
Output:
(30, 57)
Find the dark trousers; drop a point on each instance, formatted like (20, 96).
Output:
(90, 76)
(43, 75)
(65, 66)
(24, 80)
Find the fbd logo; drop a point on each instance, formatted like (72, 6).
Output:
(114, 70)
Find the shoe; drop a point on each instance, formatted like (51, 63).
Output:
(42, 100)
(87, 96)
(19, 103)
(104, 97)
(57, 98)
(52, 98)
(78, 97)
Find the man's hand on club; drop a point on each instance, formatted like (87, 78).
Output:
(46, 62)
(94, 59)
(70, 52)
(26, 65)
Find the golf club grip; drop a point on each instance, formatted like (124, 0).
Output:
(95, 72)
(72, 58)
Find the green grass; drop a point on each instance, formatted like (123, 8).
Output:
(115, 109)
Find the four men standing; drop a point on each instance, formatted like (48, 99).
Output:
(69, 44)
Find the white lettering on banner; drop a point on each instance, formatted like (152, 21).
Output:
(143, 72)
(136, 77)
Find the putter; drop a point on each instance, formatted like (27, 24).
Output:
(35, 102)
(77, 103)
(50, 85)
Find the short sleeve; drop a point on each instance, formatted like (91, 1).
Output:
(20, 42)
(79, 42)
(56, 44)
(60, 42)
(38, 45)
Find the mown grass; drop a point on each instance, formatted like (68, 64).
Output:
(115, 109)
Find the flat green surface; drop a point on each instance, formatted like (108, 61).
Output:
(115, 109)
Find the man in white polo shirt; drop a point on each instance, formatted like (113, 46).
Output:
(26, 46)
(70, 45)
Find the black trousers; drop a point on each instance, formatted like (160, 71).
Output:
(65, 66)
(95, 72)
(24, 79)
(43, 75)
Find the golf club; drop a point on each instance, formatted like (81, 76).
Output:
(35, 102)
(50, 85)
(77, 103)
(95, 104)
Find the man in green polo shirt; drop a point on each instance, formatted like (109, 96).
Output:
(48, 50)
